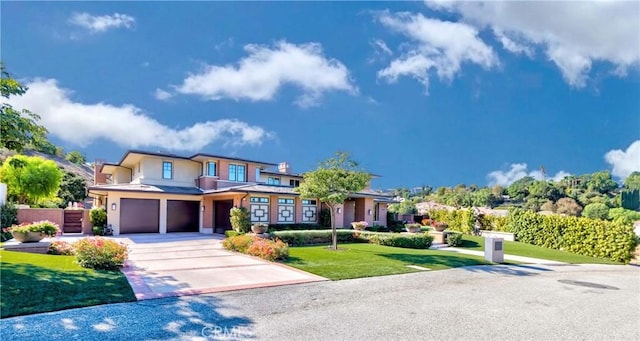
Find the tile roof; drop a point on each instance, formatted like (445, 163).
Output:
(147, 188)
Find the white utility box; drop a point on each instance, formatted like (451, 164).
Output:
(494, 249)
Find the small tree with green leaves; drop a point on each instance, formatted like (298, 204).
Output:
(75, 157)
(30, 179)
(332, 183)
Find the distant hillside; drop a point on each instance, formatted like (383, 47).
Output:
(84, 171)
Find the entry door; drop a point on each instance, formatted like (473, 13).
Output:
(221, 215)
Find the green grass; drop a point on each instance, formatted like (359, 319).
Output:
(528, 250)
(34, 283)
(367, 260)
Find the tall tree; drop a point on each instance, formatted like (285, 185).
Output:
(601, 182)
(76, 157)
(30, 179)
(72, 189)
(332, 182)
(17, 127)
(520, 189)
(632, 181)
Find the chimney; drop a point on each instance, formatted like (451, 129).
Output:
(98, 178)
(283, 167)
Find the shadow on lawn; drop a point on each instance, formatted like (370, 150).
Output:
(189, 317)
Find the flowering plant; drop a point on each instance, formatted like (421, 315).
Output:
(359, 225)
(45, 227)
(100, 253)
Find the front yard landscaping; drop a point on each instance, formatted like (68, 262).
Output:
(357, 260)
(36, 283)
(528, 250)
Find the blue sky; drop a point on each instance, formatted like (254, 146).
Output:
(420, 93)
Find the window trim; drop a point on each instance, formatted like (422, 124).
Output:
(273, 180)
(170, 163)
(235, 172)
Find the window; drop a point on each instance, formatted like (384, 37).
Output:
(236, 173)
(259, 199)
(273, 181)
(285, 201)
(309, 202)
(211, 168)
(257, 174)
(294, 183)
(309, 211)
(167, 170)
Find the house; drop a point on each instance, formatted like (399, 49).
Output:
(149, 192)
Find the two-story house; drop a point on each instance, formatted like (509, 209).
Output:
(150, 192)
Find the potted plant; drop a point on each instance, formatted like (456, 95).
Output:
(440, 226)
(259, 228)
(413, 227)
(359, 225)
(34, 232)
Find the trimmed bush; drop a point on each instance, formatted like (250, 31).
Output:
(98, 230)
(295, 227)
(458, 220)
(310, 237)
(239, 243)
(100, 253)
(239, 217)
(596, 210)
(59, 247)
(98, 217)
(409, 241)
(232, 233)
(268, 249)
(48, 228)
(253, 245)
(8, 218)
(454, 238)
(590, 237)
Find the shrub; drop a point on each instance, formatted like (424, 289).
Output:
(626, 215)
(568, 206)
(378, 228)
(289, 227)
(310, 237)
(596, 210)
(268, 249)
(454, 238)
(59, 247)
(239, 243)
(98, 230)
(8, 218)
(585, 236)
(100, 253)
(232, 233)
(48, 228)
(240, 222)
(98, 217)
(458, 220)
(410, 241)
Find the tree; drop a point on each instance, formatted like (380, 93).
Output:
(601, 182)
(483, 197)
(30, 179)
(568, 206)
(17, 128)
(405, 207)
(75, 157)
(632, 181)
(73, 188)
(544, 190)
(548, 206)
(596, 211)
(332, 183)
(520, 189)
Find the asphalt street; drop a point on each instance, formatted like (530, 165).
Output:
(550, 302)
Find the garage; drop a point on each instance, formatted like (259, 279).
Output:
(139, 215)
(183, 216)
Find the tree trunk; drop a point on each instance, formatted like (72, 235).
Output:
(334, 231)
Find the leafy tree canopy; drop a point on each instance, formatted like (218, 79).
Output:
(632, 181)
(30, 179)
(73, 188)
(75, 157)
(18, 128)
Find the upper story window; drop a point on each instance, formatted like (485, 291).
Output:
(211, 168)
(167, 170)
(273, 181)
(294, 183)
(237, 173)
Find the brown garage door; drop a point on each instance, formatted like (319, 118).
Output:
(139, 216)
(183, 216)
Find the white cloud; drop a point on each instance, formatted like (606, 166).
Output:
(573, 34)
(101, 23)
(125, 125)
(624, 162)
(518, 171)
(442, 46)
(162, 95)
(260, 75)
(381, 47)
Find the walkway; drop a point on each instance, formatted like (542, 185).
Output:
(179, 264)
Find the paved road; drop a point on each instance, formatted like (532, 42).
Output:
(533, 302)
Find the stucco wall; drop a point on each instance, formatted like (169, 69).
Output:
(29, 215)
(184, 172)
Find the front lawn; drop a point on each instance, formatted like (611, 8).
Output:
(34, 283)
(368, 260)
(528, 250)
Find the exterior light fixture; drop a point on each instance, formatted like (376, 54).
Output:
(339, 210)
(113, 206)
(202, 208)
(369, 212)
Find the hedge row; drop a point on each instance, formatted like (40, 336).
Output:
(589, 237)
(295, 227)
(310, 237)
(458, 220)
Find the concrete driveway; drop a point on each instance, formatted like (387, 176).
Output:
(180, 264)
